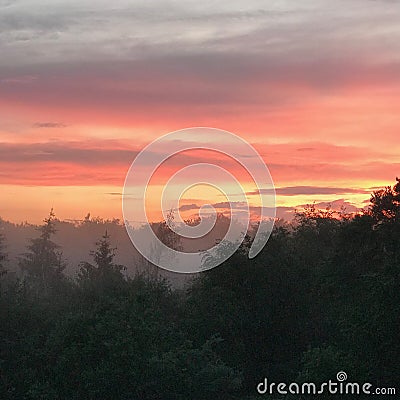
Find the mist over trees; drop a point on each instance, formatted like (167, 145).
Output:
(323, 296)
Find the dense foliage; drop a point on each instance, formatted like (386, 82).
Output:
(323, 296)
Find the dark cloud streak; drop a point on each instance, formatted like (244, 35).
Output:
(309, 190)
(49, 125)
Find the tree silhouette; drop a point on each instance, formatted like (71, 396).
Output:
(385, 204)
(104, 271)
(43, 264)
(166, 234)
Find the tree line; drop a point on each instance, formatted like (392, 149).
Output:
(323, 296)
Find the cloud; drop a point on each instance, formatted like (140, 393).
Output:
(124, 30)
(189, 207)
(130, 63)
(101, 152)
(49, 125)
(24, 79)
(208, 79)
(309, 190)
(94, 161)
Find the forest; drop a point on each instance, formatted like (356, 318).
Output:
(323, 296)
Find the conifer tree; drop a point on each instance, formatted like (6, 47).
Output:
(43, 264)
(104, 270)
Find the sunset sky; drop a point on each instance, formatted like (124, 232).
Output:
(84, 85)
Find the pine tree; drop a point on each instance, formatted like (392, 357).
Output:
(43, 264)
(104, 270)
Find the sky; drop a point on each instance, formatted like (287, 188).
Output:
(314, 86)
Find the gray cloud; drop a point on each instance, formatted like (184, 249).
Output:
(33, 32)
(49, 125)
(306, 149)
(309, 190)
(189, 207)
(199, 84)
(70, 152)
